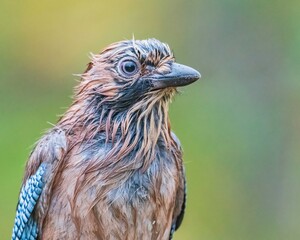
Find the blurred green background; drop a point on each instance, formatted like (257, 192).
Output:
(239, 125)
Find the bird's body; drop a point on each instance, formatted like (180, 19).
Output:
(111, 168)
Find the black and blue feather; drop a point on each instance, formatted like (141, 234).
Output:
(25, 227)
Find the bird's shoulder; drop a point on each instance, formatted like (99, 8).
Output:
(44, 158)
(49, 150)
(176, 140)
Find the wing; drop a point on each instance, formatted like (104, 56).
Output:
(181, 194)
(178, 220)
(181, 214)
(39, 174)
(25, 226)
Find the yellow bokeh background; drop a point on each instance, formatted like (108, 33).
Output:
(239, 125)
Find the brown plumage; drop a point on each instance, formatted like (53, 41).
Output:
(113, 167)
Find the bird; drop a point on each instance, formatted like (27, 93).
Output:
(111, 167)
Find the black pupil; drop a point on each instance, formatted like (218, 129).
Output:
(129, 67)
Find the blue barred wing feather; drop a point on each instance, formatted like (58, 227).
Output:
(25, 227)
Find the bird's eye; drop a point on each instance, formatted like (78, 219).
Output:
(129, 67)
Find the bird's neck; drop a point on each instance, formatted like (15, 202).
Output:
(132, 135)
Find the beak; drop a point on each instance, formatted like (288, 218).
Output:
(180, 75)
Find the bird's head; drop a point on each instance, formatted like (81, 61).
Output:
(122, 100)
(134, 73)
